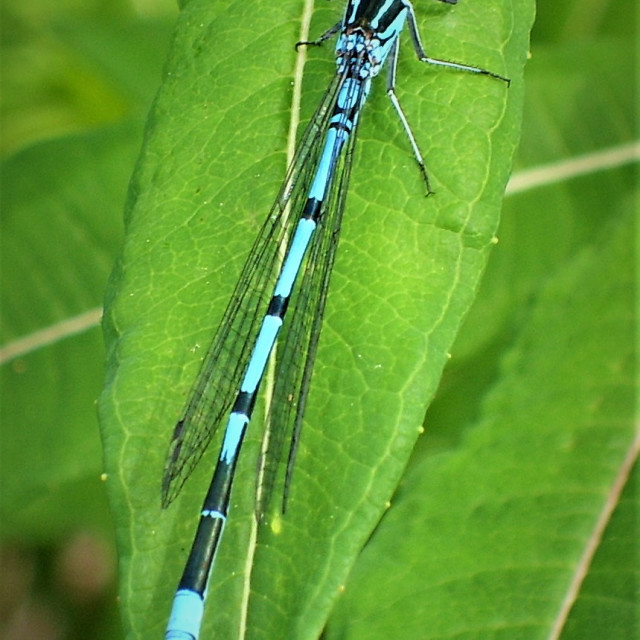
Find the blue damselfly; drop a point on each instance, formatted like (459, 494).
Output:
(305, 218)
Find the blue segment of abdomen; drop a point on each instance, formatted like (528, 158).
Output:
(186, 616)
(233, 434)
(264, 343)
(295, 256)
(351, 96)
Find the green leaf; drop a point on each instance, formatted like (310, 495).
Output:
(407, 272)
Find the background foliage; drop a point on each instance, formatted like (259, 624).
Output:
(533, 423)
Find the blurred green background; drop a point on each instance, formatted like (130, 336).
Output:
(78, 77)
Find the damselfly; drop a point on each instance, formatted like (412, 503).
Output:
(306, 218)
